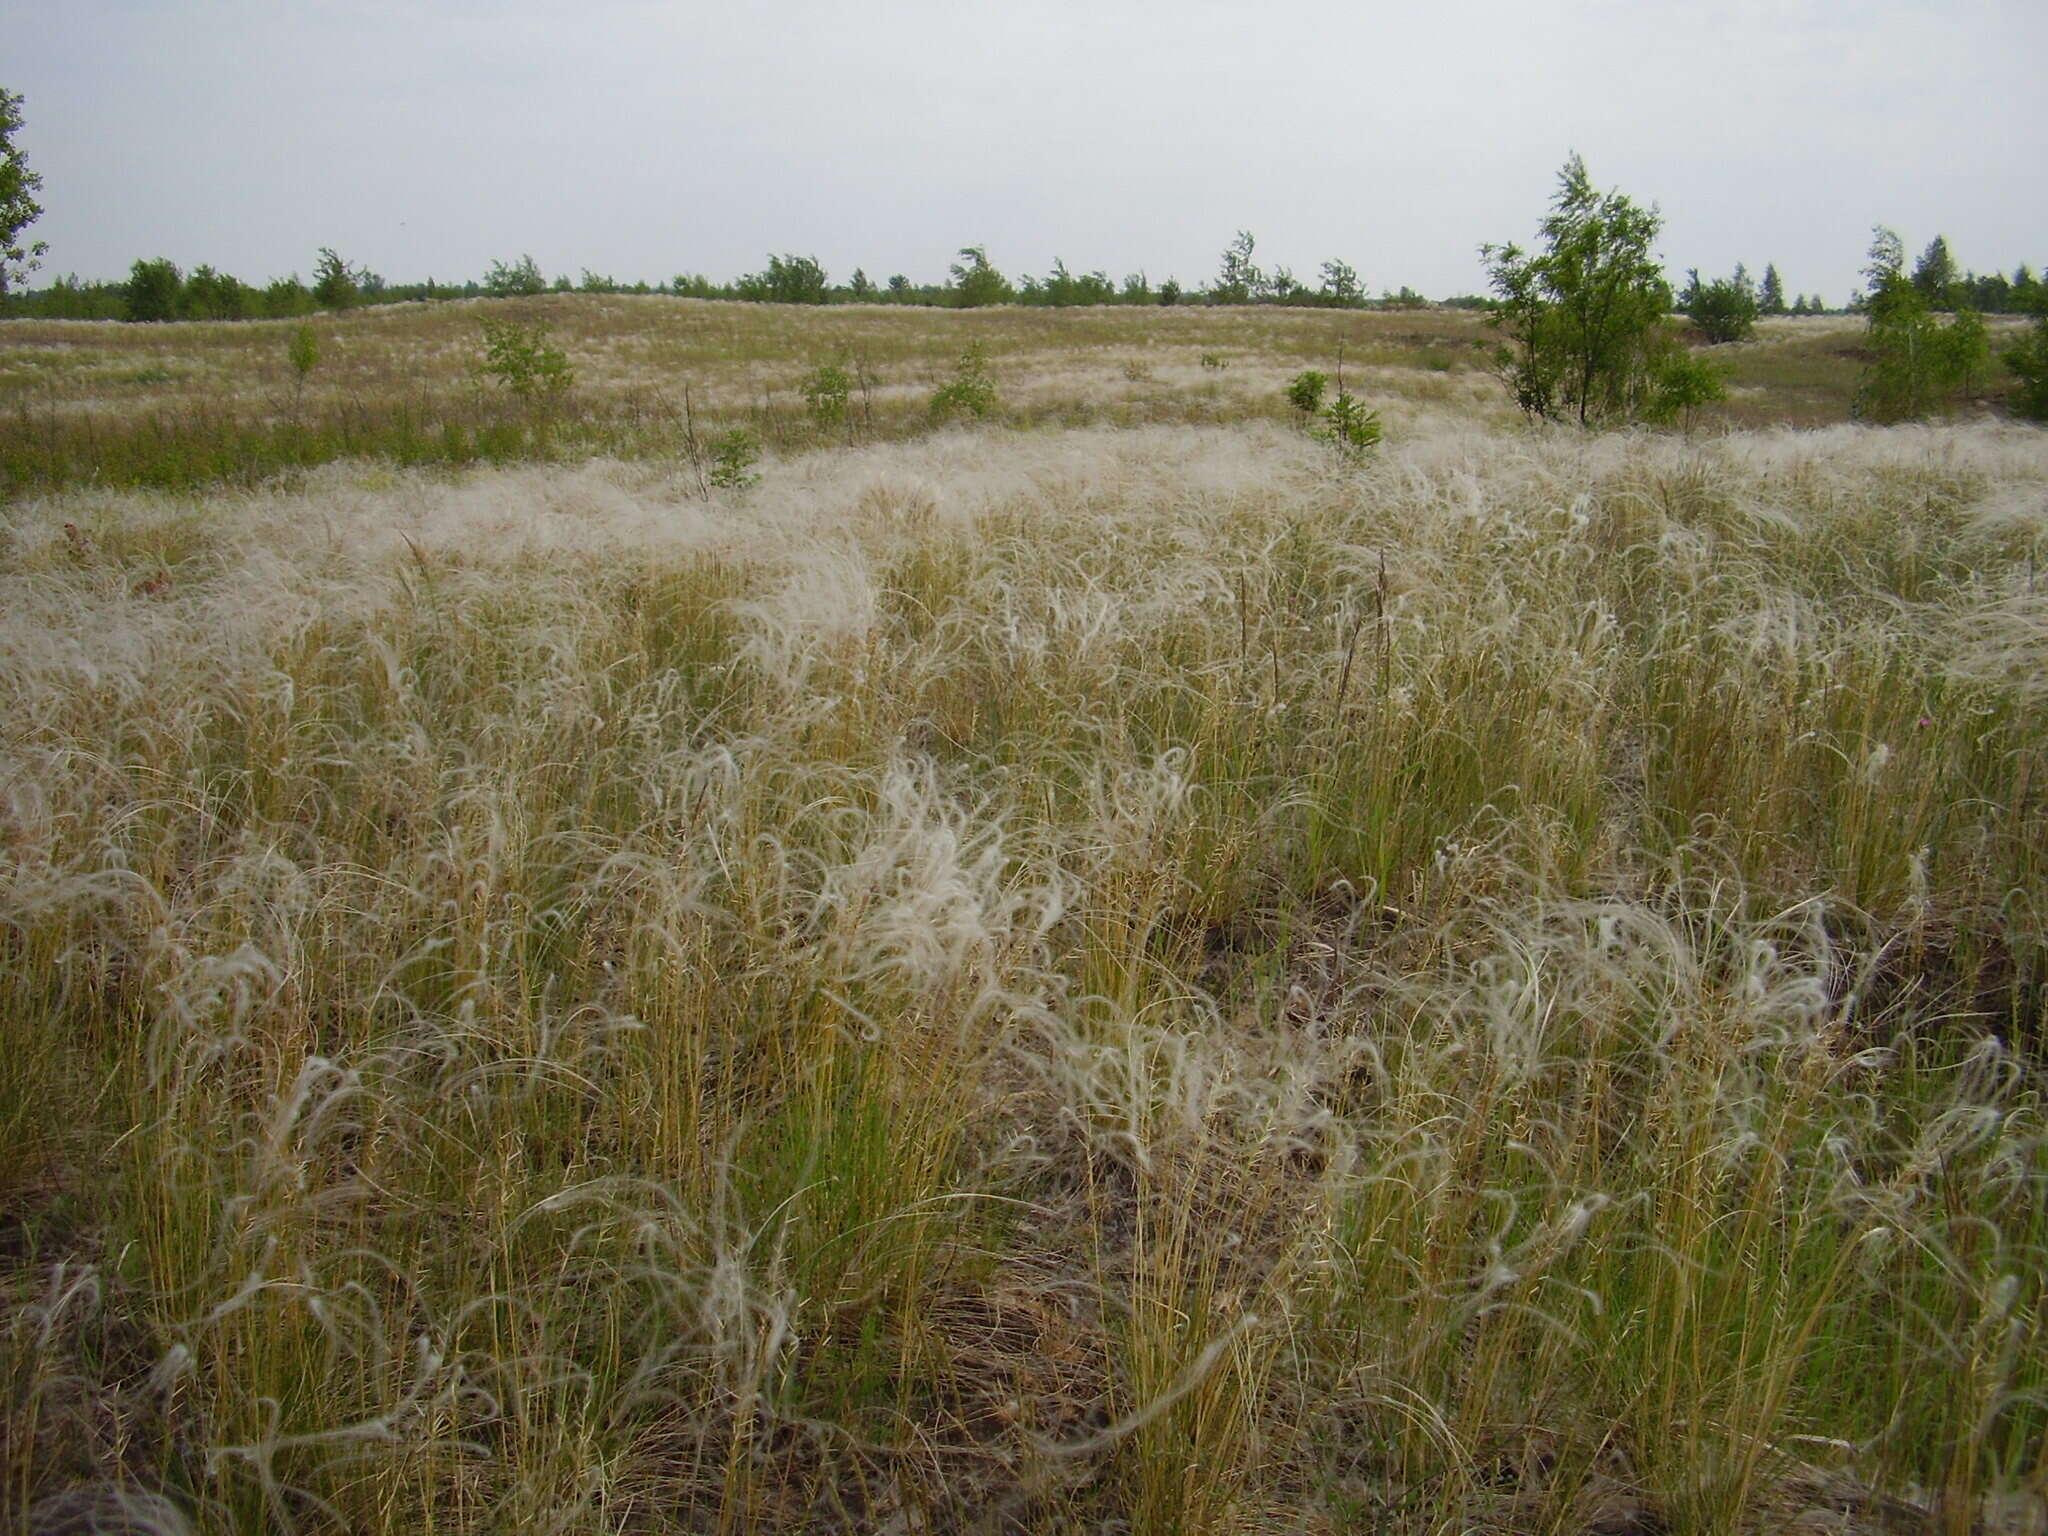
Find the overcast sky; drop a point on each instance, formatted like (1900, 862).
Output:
(639, 139)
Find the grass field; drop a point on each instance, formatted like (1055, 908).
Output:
(1112, 968)
(187, 407)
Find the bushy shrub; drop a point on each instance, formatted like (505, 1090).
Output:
(789, 279)
(971, 392)
(514, 279)
(1680, 385)
(525, 361)
(287, 297)
(1305, 391)
(825, 390)
(1725, 310)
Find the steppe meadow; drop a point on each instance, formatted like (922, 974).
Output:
(858, 918)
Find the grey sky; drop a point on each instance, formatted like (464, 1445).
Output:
(640, 139)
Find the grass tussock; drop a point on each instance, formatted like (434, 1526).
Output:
(1154, 980)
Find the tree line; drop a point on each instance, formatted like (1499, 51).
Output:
(1583, 320)
(156, 289)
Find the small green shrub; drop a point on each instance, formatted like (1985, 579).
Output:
(1214, 360)
(733, 457)
(303, 353)
(1305, 391)
(825, 392)
(971, 391)
(1680, 384)
(1349, 427)
(524, 360)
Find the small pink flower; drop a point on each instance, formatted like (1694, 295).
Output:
(1926, 721)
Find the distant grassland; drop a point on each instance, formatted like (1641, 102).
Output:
(184, 405)
(1107, 969)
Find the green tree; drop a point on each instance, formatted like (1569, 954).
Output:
(1062, 289)
(1770, 298)
(514, 279)
(211, 295)
(287, 296)
(1934, 274)
(789, 279)
(1918, 365)
(69, 299)
(1238, 279)
(1990, 294)
(1583, 317)
(1724, 309)
(2028, 359)
(976, 284)
(1341, 288)
(154, 289)
(336, 285)
(18, 205)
